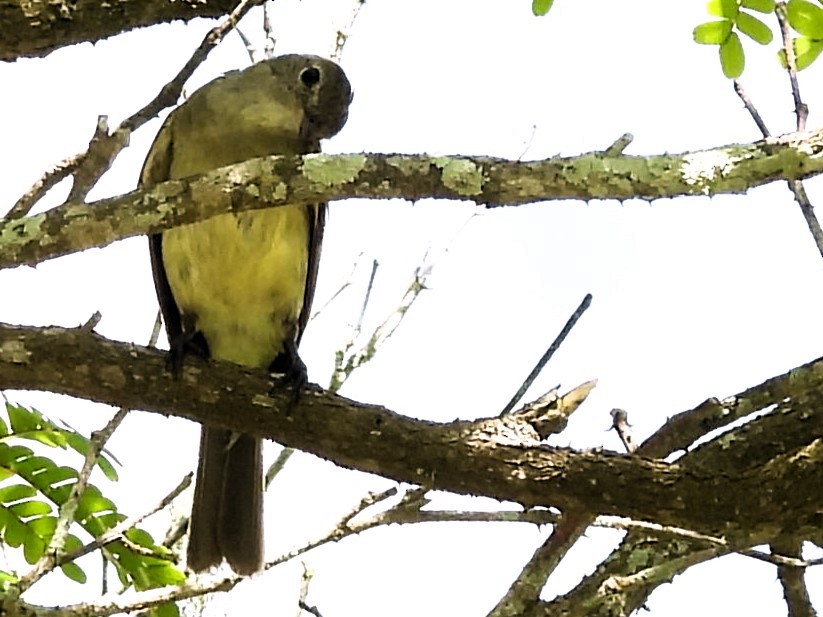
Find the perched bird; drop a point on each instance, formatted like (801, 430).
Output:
(239, 287)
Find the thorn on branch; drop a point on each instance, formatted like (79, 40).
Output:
(620, 144)
(91, 322)
(620, 423)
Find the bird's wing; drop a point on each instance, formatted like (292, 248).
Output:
(317, 223)
(156, 169)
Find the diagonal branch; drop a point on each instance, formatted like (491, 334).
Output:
(278, 181)
(714, 489)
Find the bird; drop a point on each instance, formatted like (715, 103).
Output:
(238, 287)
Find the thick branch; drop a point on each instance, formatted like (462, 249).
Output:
(483, 457)
(276, 181)
(36, 28)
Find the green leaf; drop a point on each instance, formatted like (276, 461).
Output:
(25, 509)
(723, 8)
(43, 526)
(14, 532)
(165, 610)
(74, 572)
(732, 58)
(806, 18)
(7, 578)
(140, 537)
(755, 29)
(16, 492)
(806, 51)
(33, 548)
(713, 32)
(22, 419)
(541, 7)
(761, 6)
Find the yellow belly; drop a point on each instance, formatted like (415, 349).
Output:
(242, 278)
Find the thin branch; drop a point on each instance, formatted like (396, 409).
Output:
(346, 284)
(793, 580)
(247, 44)
(116, 532)
(350, 359)
(366, 297)
(91, 322)
(49, 180)
(801, 110)
(619, 145)
(525, 591)
(527, 143)
(570, 323)
(89, 166)
(620, 423)
(749, 105)
(277, 466)
(344, 33)
(305, 581)
(268, 29)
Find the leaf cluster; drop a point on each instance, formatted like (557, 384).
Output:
(33, 488)
(736, 17)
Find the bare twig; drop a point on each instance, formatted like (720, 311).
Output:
(801, 110)
(91, 322)
(344, 34)
(155, 330)
(247, 44)
(525, 591)
(49, 179)
(349, 360)
(578, 313)
(619, 146)
(527, 143)
(305, 581)
(268, 29)
(340, 290)
(808, 213)
(309, 609)
(277, 466)
(87, 167)
(369, 288)
(620, 423)
(792, 580)
(749, 105)
(116, 532)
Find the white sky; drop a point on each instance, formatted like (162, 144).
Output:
(692, 297)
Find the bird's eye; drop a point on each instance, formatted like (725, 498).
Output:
(310, 77)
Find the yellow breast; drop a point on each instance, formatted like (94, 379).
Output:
(242, 278)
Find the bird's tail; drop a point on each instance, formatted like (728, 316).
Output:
(227, 514)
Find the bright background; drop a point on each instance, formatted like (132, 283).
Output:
(693, 297)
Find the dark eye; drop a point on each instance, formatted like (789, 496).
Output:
(310, 77)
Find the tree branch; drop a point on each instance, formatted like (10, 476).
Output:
(714, 489)
(35, 29)
(277, 181)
